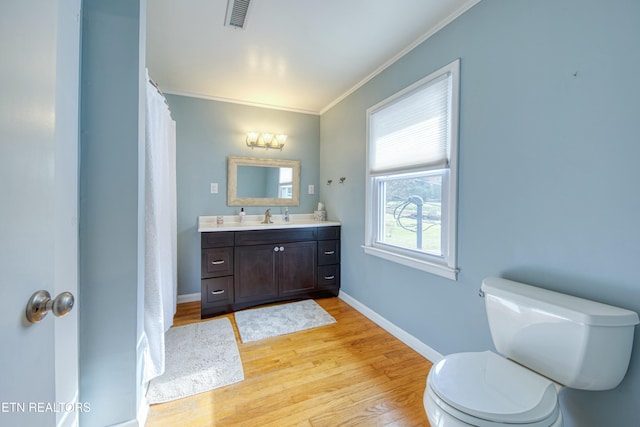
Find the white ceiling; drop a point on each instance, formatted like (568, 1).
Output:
(300, 55)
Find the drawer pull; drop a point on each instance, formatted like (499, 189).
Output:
(218, 292)
(329, 277)
(329, 252)
(217, 262)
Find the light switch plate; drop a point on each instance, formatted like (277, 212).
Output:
(214, 188)
(312, 189)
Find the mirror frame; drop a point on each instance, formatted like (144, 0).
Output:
(232, 182)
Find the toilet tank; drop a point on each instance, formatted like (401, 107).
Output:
(576, 342)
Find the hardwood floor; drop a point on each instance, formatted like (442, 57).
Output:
(346, 374)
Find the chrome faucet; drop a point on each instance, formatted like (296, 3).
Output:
(267, 217)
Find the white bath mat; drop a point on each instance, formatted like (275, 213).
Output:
(199, 357)
(261, 323)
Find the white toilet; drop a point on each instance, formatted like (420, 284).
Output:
(549, 340)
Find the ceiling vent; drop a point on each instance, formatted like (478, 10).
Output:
(236, 13)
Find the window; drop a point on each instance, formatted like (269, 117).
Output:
(285, 184)
(411, 174)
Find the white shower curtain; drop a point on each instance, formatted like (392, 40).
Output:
(160, 290)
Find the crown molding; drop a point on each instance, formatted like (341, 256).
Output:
(239, 101)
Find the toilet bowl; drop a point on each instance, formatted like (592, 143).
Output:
(546, 340)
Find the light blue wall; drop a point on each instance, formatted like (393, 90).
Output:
(110, 298)
(207, 132)
(548, 181)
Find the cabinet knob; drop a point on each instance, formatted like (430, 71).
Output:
(281, 248)
(276, 249)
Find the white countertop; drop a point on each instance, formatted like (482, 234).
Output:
(254, 222)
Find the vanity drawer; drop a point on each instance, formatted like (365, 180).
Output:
(217, 290)
(217, 239)
(328, 275)
(329, 233)
(265, 237)
(217, 262)
(328, 252)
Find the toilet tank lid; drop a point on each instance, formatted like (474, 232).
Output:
(577, 309)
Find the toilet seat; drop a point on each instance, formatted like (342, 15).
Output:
(487, 389)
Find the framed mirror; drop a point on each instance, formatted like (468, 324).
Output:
(262, 182)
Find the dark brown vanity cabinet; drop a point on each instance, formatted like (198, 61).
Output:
(263, 266)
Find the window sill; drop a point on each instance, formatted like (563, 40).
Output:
(430, 267)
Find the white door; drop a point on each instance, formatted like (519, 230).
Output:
(39, 81)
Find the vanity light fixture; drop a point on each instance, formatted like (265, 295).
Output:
(266, 140)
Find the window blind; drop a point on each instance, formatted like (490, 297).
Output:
(413, 130)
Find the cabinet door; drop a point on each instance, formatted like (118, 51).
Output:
(255, 273)
(297, 267)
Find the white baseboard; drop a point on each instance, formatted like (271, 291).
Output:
(188, 298)
(429, 353)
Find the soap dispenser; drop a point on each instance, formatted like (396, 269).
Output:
(286, 214)
(242, 215)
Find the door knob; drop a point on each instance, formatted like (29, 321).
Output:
(41, 303)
